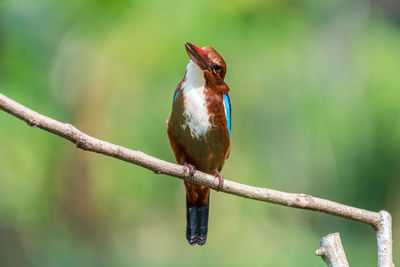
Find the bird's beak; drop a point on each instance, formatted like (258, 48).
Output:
(198, 55)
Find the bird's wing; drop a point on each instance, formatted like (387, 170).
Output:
(176, 92)
(228, 112)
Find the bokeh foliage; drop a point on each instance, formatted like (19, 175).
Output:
(315, 97)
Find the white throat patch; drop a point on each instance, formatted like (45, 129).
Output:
(196, 112)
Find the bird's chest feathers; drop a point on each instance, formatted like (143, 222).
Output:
(196, 114)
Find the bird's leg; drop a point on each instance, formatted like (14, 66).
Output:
(220, 180)
(192, 169)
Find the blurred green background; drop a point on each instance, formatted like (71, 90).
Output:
(315, 89)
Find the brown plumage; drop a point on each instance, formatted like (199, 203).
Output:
(198, 130)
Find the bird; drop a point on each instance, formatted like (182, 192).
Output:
(199, 131)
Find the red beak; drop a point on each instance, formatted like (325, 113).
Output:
(198, 55)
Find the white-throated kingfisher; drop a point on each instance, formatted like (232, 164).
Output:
(199, 131)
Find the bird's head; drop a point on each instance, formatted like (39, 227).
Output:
(209, 61)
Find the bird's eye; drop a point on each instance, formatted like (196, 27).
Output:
(217, 68)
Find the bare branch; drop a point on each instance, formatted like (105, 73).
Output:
(332, 251)
(302, 201)
(384, 239)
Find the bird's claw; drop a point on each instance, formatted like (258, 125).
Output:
(191, 168)
(220, 180)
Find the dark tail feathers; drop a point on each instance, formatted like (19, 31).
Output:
(197, 223)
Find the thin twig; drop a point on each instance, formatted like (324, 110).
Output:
(332, 251)
(379, 221)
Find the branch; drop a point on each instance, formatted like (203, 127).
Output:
(384, 239)
(332, 251)
(379, 221)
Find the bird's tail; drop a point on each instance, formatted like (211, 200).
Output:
(197, 223)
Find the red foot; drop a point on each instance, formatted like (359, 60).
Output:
(220, 180)
(192, 169)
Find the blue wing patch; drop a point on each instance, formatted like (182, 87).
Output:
(175, 95)
(228, 112)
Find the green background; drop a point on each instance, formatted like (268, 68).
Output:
(315, 90)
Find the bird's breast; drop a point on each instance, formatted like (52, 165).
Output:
(196, 114)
